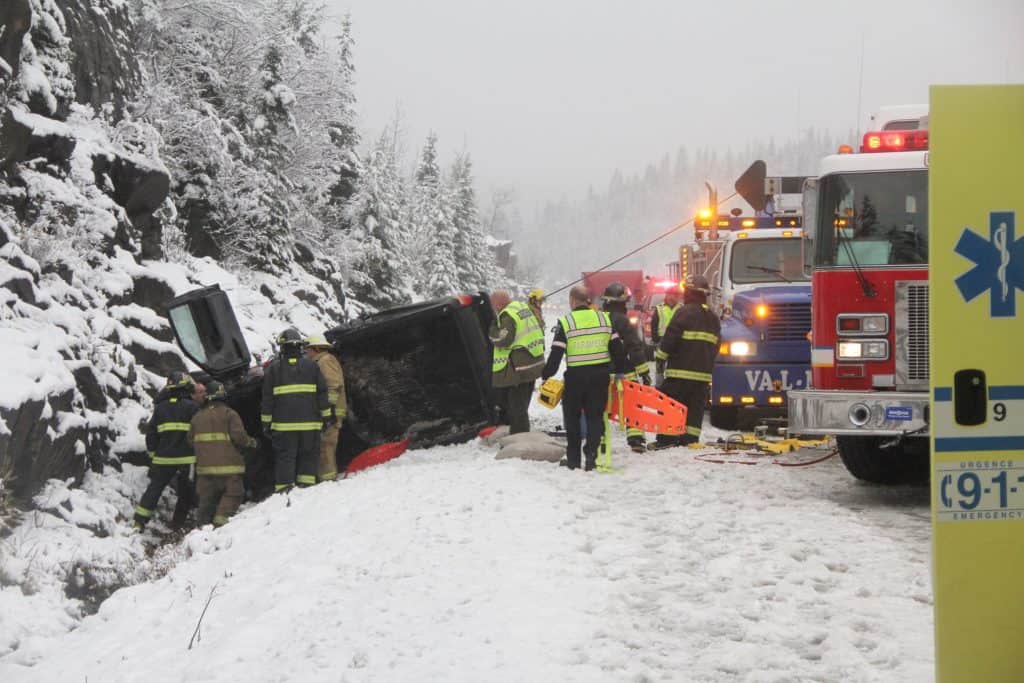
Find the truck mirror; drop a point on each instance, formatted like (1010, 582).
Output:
(809, 203)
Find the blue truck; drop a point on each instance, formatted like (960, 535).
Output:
(762, 292)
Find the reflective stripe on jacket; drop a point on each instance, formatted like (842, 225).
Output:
(587, 334)
(294, 396)
(216, 434)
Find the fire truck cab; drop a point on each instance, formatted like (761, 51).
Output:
(866, 220)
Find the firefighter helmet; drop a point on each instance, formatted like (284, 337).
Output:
(318, 341)
(290, 337)
(537, 295)
(697, 283)
(179, 380)
(616, 291)
(215, 391)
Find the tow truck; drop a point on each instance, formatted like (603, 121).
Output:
(867, 232)
(760, 290)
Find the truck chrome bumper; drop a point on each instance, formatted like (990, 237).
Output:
(867, 413)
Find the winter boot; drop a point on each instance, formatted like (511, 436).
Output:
(637, 444)
(571, 465)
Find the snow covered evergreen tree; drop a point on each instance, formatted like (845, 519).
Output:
(473, 257)
(378, 270)
(432, 229)
(342, 163)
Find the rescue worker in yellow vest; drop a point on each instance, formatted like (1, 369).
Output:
(591, 349)
(535, 300)
(170, 454)
(660, 319)
(318, 349)
(616, 297)
(688, 348)
(216, 435)
(518, 358)
(294, 411)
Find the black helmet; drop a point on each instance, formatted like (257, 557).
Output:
(698, 284)
(616, 291)
(179, 380)
(290, 337)
(215, 391)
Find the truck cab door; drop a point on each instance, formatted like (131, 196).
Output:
(207, 331)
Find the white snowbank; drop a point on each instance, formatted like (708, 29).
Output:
(448, 565)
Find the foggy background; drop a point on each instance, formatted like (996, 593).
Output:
(560, 101)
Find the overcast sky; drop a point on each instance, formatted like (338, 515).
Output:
(552, 96)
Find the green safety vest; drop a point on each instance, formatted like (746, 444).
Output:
(665, 317)
(529, 336)
(587, 334)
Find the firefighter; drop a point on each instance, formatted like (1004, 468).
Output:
(535, 300)
(171, 456)
(616, 297)
(318, 349)
(294, 411)
(688, 348)
(216, 434)
(518, 358)
(591, 349)
(660, 319)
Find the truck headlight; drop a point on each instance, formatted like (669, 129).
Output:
(875, 349)
(737, 348)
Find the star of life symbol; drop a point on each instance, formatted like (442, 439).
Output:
(998, 264)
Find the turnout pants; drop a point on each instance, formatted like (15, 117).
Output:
(219, 497)
(327, 469)
(296, 456)
(159, 477)
(586, 393)
(693, 395)
(515, 403)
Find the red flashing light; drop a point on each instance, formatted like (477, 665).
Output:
(665, 284)
(465, 300)
(895, 141)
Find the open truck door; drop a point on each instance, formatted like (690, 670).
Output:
(207, 331)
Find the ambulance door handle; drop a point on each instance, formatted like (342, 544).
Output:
(970, 397)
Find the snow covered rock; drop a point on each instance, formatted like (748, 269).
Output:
(27, 136)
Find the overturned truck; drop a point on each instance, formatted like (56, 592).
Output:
(419, 373)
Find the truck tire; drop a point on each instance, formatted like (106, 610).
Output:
(903, 463)
(725, 417)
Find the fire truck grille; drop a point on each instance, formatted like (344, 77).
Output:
(788, 322)
(917, 332)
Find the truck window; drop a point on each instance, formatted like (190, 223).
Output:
(188, 333)
(767, 260)
(876, 218)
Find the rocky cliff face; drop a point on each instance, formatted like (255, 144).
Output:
(84, 276)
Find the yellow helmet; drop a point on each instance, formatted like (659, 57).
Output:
(537, 295)
(318, 341)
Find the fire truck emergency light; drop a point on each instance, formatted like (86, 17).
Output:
(895, 141)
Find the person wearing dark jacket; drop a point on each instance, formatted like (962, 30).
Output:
(616, 297)
(518, 358)
(216, 434)
(171, 456)
(689, 348)
(591, 349)
(295, 409)
(660, 319)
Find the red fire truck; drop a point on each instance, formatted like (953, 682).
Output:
(866, 222)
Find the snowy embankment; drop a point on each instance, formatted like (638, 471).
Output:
(448, 565)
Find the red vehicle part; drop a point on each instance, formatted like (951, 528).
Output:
(377, 455)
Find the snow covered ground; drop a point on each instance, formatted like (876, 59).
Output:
(448, 565)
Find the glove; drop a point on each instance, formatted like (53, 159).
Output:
(646, 378)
